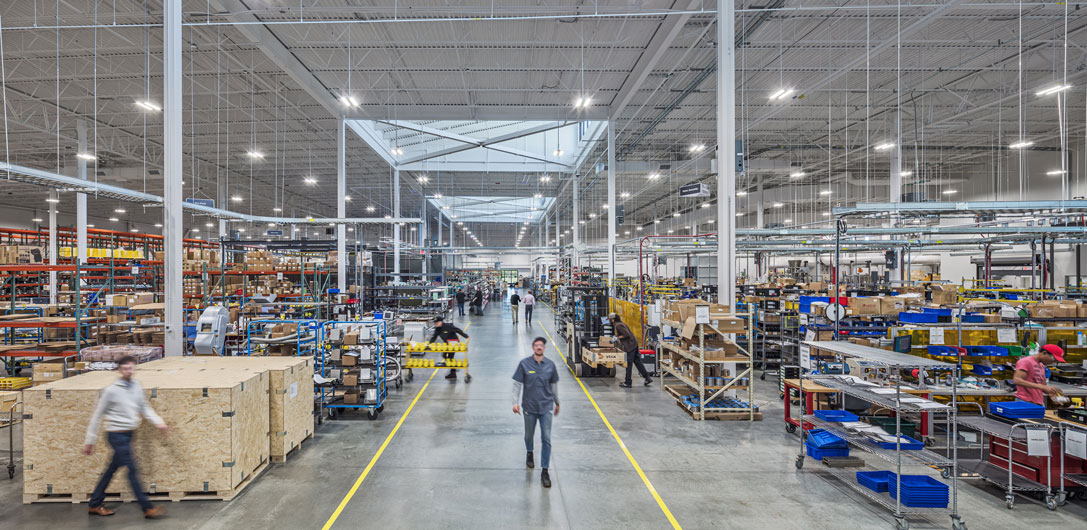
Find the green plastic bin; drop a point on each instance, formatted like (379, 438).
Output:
(909, 428)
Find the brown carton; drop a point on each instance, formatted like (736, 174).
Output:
(864, 306)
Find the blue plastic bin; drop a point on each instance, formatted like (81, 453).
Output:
(944, 312)
(986, 351)
(876, 481)
(920, 491)
(818, 453)
(918, 318)
(835, 415)
(1017, 409)
(822, 439)
(910, 445)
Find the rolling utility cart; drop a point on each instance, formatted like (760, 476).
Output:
(281, 337)
(354, 365)
(834, 433)
(449, 350)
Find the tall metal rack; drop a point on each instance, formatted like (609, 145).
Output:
(924, 458)
(373, 390)
(708, 393)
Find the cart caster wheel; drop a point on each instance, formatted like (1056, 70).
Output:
(790, 428)
(331, 414)
(957, 524)
(381, 409)
(467, 379)
(320, 420)
(929, 442)
(1062, 498)
(945, 473)
(398, 385)
(781, 397)
(356, 409)
(411, 376)
(1051, 503)
(902, 524)
(800, 461)
(371, 414)
(763, 377)
(11, 473)
(1009, 501)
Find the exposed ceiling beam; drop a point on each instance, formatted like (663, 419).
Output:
(472, 143)
(490, 141)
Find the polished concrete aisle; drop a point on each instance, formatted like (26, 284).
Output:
(457, 462)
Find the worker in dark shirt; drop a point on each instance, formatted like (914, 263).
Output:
(515, 301)
(629, 344)
(460, 302)
(448, 333)
(477, 301)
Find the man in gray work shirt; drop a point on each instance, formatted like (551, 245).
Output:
(534, 385)
(122, 407)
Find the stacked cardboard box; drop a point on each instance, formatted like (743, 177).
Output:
(22, 254)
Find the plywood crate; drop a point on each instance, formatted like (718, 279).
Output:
(290, 388)
(216, 445)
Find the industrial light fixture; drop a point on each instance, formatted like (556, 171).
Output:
(778, 205)
(826, 214)
(396, 151)
(711, 221)
(782, 94)
(36, 220)
(147, 105)
(538, 195)
(424, 179)
(157, 225)
(626, 232)
(86, 156)
(582, 102)
(545, 178)
(581, 222)
(797, 174)
(1055, 172)
(347, 198)
(688, 227)
(741, 194)
(950, 192)
(656, 221)
(90, 225)
(557, 152)
(52, 200)
(604, 206)
(676, 214)
(236, 198)
(277, 209)
(739, 214)
(271, 224)
(824, 192)
(624, 194)
(310, 180)
(638, 228)
(119, 210)
(592, 216)
(241, 230)
(884, 146)
(349, 100)
(670, 230)
(705, 205)
(905, 173)
(255, 155)
(371, 209)
(1021, 144)
(194, 229)
(696, 148)
(209, 225)
(388, 216)
(1053, 90)
(654, 176)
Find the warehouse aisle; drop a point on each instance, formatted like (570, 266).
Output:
(457, 461)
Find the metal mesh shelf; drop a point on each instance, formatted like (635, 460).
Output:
(885, 400)
(849, 477)
(994, 474)
(922, 457)
(876, 355)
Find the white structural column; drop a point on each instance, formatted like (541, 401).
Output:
(611, 206)
(81, 198)
(396, 226)
(575, 222)
(726, 152)
(424, 238)
(172, 176)
(341, 206)
(896, 163)
(761, 204)
(53, 247)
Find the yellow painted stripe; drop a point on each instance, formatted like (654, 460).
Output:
(365, 472)
(623, 446)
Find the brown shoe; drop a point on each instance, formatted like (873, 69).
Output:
(100, 510)
(154, 512)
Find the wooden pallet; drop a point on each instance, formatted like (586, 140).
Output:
(722, 416)
(173, 496)
(280, 459)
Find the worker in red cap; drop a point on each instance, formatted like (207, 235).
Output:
(1030, 374)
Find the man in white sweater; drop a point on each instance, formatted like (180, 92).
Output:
(121, 407)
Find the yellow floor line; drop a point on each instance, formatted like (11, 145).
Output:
(623, 446)
(365, 472)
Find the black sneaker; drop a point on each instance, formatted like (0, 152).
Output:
(529, 462)
(452, 375)
(648, 381)
(624, 384)
(545, 478)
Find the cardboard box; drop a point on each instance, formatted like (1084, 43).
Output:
(351, 338)
(607, 341)
(602, 355)
(349, 360)
(864, 306)
(47, 372)
(891, 305)
(945, 295)
(351, 378)
(351, 397)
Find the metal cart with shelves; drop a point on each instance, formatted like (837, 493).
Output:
(918, 459)
(362, 384)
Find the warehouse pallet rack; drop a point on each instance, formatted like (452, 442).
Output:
(740, 380)
(329, 363)
(920, 458)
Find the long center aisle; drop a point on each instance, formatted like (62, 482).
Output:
(456, 460)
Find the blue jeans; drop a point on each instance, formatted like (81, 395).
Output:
(460, 308)
(528, 313)
(121, 442)
(545, 434)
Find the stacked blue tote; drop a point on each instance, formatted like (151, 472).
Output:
(920, 491)
(822, 443)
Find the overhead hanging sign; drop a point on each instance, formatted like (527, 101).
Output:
(275, 232)
(696, 189)
(210, 203)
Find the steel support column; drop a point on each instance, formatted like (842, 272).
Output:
(172, 177)
(81, 198)
(574, 223)
(396, 227)
(611, 206)
(341, 206)
(726, 153)
(54, 248)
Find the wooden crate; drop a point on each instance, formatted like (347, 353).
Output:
(218, 439)
(290, 389)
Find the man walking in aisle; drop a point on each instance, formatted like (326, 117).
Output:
(122, 406)
(448, 333)
(515, 300)
(530, 303)
(629, 344)
(460, 302)
(534, 393)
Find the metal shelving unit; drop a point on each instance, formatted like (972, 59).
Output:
(707, 393)
(922, 459)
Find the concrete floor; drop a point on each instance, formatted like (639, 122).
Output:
(457, 461)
